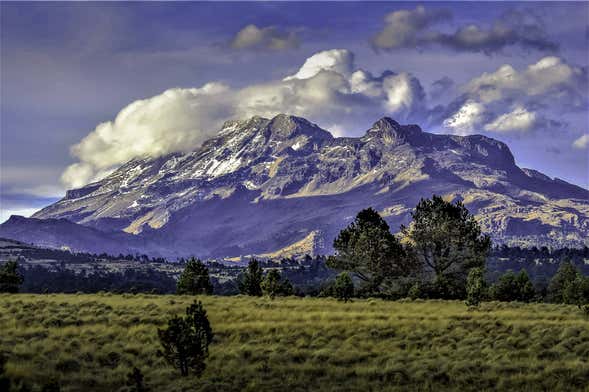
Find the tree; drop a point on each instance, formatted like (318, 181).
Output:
(273, 285)
(250, 283)
(194, 279)
(447, 242)
(368, 249)
(475, 286)
(565, 275)
(343, 287)
(512, 287)
(186, 340)
(526, 287)
(576, 292)
(10, 278)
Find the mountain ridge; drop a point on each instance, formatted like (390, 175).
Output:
(271, 166)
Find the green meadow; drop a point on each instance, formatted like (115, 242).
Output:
(91, 343)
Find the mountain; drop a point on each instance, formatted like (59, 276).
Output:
(262, 185)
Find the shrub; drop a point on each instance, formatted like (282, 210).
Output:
(475, 287)
(343, 287)
(51, 386)
(4, 380)
(186, 340)
(135, 381)
(68, 366)
(415, 291)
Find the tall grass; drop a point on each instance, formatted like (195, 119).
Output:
(91, 342)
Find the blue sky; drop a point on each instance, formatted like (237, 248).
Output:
(513, 71)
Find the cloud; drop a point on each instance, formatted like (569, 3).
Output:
(508, 100)
(549, 79)
(582, 142)
(405, 28)
(331, 90)
(413, 29)
(175, 120)
(336, 60)
(328, 88)
(264, 38)
(466, 119)
(519, 119)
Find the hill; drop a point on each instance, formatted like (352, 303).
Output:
(261, 186)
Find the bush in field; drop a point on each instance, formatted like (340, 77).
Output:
(343, 287)
(186, 340)
(135, 381)
(447, 242)
(194, 279)
(273, 285)
(250, 282)
(512, 287)
(565, 275)
(475, 286)
(367, 249)
(4, 380)
(51, 386)
(415, 291)
(10, 278)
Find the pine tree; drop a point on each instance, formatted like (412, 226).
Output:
(271, 284)
(194, 279)
(367, 249)
(447, 242)
(10, 278)
(343, 287)
(251, 280)
(565, 275)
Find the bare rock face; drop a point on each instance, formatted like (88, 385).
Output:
(263, 184)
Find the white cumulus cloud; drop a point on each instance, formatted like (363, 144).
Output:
(512, 100)
(466, 119)
(517, 120)
(550, 79)
(328, 88)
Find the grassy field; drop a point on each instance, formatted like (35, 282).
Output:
(90, 343)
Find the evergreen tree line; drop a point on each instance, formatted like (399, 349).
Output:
(431, 257)
(442, 254)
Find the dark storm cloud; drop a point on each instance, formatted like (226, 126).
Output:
(413, 29)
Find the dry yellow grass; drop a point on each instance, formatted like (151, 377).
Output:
(90, 342)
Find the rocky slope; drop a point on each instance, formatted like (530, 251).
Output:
(262, 185)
